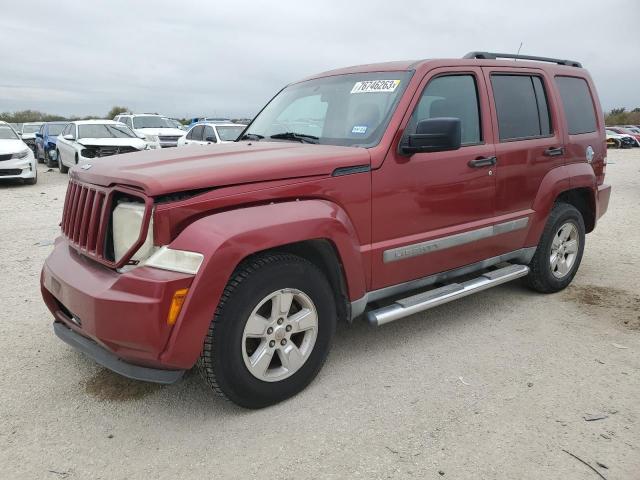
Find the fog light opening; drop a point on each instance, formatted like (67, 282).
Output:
(176, 305)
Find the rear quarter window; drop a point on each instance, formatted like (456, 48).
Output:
(578, 105)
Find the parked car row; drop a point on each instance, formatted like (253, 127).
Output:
(65, 144)
(627, 136)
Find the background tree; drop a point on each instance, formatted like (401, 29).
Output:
(116, 111)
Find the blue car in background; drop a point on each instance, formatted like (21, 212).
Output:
(46, 139)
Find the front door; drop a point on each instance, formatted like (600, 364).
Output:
(434, 211)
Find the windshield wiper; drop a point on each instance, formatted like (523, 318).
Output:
(251, 136)
(301, 137)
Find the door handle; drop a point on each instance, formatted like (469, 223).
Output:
(483, 162)
(554, 151)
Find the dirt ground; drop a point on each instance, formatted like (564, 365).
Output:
(495, 386)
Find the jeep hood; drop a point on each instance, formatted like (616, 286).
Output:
(159, 172)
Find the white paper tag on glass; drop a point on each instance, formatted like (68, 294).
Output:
(375, 86)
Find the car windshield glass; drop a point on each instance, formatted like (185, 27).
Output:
(31, 128)
(351, 109)
(149, 121)
(56, 128)
(104, 130)
(7, 133)
(229, 133)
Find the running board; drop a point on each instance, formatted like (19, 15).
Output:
(438, 296)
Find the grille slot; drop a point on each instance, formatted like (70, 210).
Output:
(82, 216)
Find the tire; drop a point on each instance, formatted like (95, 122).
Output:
(32, 181)
(228, 352)
(557, 259)
(61, 166)
(47, 160)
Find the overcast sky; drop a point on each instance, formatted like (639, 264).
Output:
(80, 57)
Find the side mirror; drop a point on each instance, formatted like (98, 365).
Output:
(434, 135)
(69, 137)
(210, 139)
(38, 135)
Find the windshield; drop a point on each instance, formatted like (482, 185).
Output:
(149, 121)
(352, 110)
(7, 133)
(56, 128)
(33, 128)
(104, 130)
(230, 133)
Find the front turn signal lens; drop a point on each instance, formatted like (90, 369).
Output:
(176, 305)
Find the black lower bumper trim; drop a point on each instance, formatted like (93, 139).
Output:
(112, 362)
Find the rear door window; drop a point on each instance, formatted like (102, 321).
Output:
(578, 105)
(521, 106)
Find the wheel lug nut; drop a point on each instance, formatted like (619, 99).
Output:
(288, 328)
(272, 343)
(283, 342)
(280, 320)
(269, 330)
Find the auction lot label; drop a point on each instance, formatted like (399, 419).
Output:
(375, 86)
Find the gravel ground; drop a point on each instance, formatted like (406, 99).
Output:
(496, 385)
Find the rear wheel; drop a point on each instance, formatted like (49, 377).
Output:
(271, 332)
(560, 250)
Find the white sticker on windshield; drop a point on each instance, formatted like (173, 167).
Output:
(375, 86)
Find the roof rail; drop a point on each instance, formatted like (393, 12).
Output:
(495, 56)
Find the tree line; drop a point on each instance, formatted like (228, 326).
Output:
(616, 116)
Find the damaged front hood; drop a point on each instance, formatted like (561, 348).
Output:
(170, 170)
(113, 142)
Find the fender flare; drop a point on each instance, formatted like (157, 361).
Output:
(557, 181)
(227, 238)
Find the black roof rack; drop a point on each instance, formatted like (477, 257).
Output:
(495, 56)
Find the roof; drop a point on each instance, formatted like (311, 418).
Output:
(95, 121)
(220, 124)
(476, 59)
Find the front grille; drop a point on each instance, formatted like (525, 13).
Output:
(8, 172)
(169, 138)
(29, 141)
(107, 151)
(86, 220)
(83, 217)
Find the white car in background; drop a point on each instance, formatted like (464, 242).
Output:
(88, 140)
(155, 128)
(206, 133)
(16, 158)
(28, 133)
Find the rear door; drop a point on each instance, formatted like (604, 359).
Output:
(529, 142)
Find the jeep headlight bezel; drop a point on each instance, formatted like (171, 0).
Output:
(127, 222)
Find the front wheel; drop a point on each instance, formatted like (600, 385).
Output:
(271, 332)
(560, 250)
(63, 168)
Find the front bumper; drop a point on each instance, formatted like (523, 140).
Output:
(123, 314)
(107, 359)
(18, 168)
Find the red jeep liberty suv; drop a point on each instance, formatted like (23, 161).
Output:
(424, 181)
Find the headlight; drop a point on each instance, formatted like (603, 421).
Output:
(176, 260)
(21, 154)
(127, 223)
(151, 138)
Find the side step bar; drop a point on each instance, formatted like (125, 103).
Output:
(438, 296)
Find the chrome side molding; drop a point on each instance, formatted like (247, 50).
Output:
(422, 248)
(438, 296)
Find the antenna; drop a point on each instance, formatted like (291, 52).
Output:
(519, 48)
